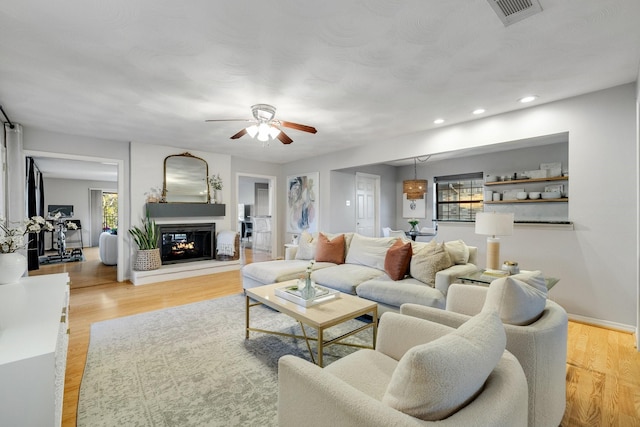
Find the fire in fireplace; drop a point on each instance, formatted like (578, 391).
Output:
(186, 242)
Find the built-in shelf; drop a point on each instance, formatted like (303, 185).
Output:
(499, 202)
(523, 181)
(164, 210)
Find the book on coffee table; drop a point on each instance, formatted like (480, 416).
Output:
(292, 293)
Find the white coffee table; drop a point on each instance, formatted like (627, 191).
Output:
(320, 317)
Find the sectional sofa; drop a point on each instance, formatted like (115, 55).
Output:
(388, 270)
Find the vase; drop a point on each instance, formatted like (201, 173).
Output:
(12, 267)
(214, 197)
(307, 290)
(148, 259)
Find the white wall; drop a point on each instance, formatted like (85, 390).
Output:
(76, 193)
(598, 261)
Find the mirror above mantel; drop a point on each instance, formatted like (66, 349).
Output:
(185, 179)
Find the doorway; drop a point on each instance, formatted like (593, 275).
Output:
(86, 163)
(367, 204)
(256, 194)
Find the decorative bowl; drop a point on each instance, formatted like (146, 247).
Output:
(551, 195)
(522, 195)
(534, 195)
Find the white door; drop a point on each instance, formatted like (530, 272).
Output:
(367, 204)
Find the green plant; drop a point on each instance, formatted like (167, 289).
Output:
(146, 237)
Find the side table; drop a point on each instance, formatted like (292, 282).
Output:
(479, 278)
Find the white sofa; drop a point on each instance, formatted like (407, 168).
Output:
(363, 272)
(421, 373)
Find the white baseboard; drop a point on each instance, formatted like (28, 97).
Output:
(182, 271)
(603, 323)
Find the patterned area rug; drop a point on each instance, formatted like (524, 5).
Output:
(191, 366)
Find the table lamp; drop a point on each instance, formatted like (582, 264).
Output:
(494, 224)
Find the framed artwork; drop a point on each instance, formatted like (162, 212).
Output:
(302, 203)
(414, 208)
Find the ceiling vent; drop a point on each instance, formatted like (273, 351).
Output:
(510, 11)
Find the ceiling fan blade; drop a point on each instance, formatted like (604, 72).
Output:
(298, 126)
(284, 138)
(240, 134)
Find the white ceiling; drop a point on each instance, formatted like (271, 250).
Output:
(359, 71)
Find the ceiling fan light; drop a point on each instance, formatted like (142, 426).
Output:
(263, 132)
(252, 131)
(274, 132)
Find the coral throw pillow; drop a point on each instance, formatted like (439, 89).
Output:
(330, 250)
(396, 263)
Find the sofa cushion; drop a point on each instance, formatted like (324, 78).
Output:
(385, 291)
(458, 251)
(396, 262)
(430, 259)
(345, 277)
(330, 250)
(369, 251)
(434, 380)
(306, 246)
(268, 272)
(516, 301)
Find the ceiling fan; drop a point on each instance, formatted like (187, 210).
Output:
(265, 127)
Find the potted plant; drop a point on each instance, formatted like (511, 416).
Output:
(146, 237)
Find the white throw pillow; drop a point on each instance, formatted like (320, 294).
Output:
(430, 259)
(369, 251)
(434, 380)
(458, 251)
(306, 246)
(517, 302)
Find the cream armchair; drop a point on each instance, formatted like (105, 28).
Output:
(360, 389)
(540, 346)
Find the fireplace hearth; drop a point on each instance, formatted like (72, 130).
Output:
(180, 243)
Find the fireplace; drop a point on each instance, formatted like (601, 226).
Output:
(186, 242)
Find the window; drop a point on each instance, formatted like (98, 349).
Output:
(458, 197)
(109, 211)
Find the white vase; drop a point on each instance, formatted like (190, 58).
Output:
(12, 267)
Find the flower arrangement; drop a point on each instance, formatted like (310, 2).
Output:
(154, 195)
(413, 223)
(215, 181)
(13, 238)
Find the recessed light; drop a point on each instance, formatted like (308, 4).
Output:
(438, 121)
(528, 98)
(478, 111)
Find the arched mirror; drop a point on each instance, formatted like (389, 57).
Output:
(185, 179)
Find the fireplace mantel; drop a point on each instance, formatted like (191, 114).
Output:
(164, 210)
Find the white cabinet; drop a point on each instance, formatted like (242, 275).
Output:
(33, 350)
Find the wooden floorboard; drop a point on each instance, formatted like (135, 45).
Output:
(603, 366)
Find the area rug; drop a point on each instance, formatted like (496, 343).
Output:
(192, 366)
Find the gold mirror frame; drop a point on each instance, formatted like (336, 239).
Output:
(185, 179)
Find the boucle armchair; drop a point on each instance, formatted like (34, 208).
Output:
(540, 346)
(421, 373)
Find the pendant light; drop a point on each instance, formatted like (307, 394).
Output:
(414, 188)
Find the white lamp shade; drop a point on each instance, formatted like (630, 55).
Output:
(494, 224)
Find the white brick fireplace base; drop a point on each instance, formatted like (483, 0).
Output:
(183, 271)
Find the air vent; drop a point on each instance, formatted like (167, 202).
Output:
(510, 11)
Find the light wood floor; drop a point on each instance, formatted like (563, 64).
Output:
(603, 366)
